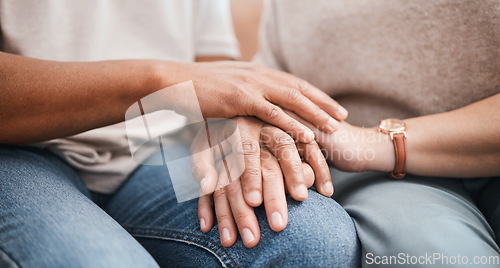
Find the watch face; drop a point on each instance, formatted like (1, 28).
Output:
(392, 125)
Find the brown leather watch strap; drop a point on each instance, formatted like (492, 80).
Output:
(400, 150)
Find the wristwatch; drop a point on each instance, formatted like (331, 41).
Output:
(396, 129)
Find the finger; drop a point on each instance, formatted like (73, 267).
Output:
(225, 222)
(224, 174)
(309, 176)
(274, 192)
(323, 100)
(251, 180)
(248, 143)
(274, 115)
(315, 130)
(205, 213)
(283, 147)
(311, 154)
(295, 101)
(202, 163)
(244, 215)
(319, 97)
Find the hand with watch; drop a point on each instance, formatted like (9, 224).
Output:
(355, 149)
(396, 129)
(453, 148)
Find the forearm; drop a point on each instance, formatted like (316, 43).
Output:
(462, 143)
(42, 99)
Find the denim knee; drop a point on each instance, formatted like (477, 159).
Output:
(320, 233)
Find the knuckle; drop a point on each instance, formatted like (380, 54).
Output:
(296, 166)
(294, 96)
(284, 142)
(252, 173)
(233, 189)
(255, 107)
(250, 147)
(302, 85)
(316, 112)
(221, 193)
(240, 217)
(224, 219)
(273, 112)
(270, 174)
(292, 124)
(273, 200)
(285, 139)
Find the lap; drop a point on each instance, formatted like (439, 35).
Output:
(414, 216)
(489, 203)
(48, 220)
(319, 233)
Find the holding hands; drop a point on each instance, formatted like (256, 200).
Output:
(273, 163)
(279, 153)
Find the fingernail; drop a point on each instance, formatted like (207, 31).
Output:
(328, 188)
(226, 236)
(247, 236)
(202, 224)
(254, 197)
(342, 112)
(332, 125)
(301, 191)
(276, 219)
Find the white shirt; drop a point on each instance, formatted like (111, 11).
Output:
(94, 30)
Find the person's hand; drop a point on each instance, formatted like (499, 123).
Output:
(354, 149)
(228, 89)
(235, 215)
(255, 184)
(244, 139)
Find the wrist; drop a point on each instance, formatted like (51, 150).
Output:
(379, 151)
(167, 73)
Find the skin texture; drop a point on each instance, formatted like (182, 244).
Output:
(462, 143)
(37, 103)
(246, 17)
(440, 145)
(272, 164)
(224, 90)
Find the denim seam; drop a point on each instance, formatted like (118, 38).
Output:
(185, 241)
(218, 256)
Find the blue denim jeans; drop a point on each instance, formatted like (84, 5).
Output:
(48, 218)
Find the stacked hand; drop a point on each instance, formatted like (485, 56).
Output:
(273, 163)
(271, 150)
(227, 89)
